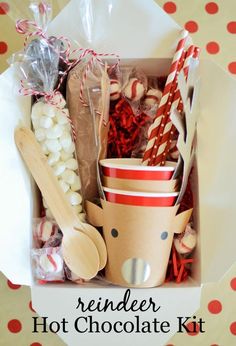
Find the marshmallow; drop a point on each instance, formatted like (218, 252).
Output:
(49, 110)
(44, 148)
(70, 149)
(53, 158)
(45, 229)
(153, 96)
(59, 100)
(51, 263)
(71, 164)
(35, 123)
(186, 241)
(74, 197)
(53, 145)
(61, 117)
(77, 208)
(82, 217)
(59, 168)
(54, 131)
(65, 156)
(76, 185)
(65, 187)
(115, 89)
(65, 140)
(40, 134)
(134, 90)
(37, 110)
(69, 176)
(45, 122)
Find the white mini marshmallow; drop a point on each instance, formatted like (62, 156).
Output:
(66, 156)
(49, 110)
(69, 176)
(77, 208)
(65, 187)
(52, 263)
(82, 217)
(71, 164)
(65, 140)
(74, 197)
(40, 134)
(59, 168)
(54, 132)
(59, 100)
(44, 148)
(61, 117)
(45, 122)
(53, 145)
(36, 123)
(77, 184)
(37, 110)
(70, 149)
(53, 158)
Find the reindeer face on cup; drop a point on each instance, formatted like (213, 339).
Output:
(138, 240)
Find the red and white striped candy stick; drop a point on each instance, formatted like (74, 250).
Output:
(177, 104)
(169, 130)
(166, 129)
(153, 130)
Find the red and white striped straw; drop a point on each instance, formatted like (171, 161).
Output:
(176, 104)
(153, 130)
(165, 144)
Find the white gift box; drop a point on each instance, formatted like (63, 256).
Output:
(141, 32)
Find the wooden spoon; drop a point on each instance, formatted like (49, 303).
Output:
(84, 250)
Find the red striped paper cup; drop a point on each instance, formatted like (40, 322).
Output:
(133, 169)
(145, 199)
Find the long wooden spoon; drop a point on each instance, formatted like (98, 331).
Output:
(84, 250)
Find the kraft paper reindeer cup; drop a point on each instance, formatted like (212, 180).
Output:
(138, 241)
(130, 175)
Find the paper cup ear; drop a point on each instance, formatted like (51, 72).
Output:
(180, 221)
(94, 214)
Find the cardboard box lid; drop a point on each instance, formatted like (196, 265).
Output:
(138, 29)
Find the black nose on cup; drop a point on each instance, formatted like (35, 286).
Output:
(135, 271)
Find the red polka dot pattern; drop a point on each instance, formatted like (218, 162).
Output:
(193, 328)
(13, 286)
(231, 27)
(3, 47)
(14, 326)
(233, 328)
(211, 8)
(232, 67)
(233, 284)
(212, 47)
(170, 7)
(191, 26)
(31, 307)
(4, 8)
(215, 307)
